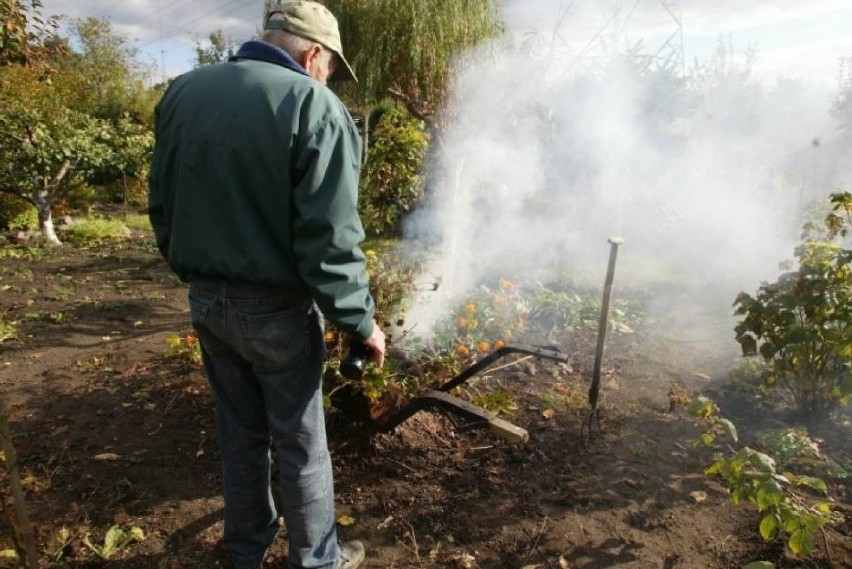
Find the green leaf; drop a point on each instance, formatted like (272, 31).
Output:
(759, 565)
(8, 554)
(729, 429)
(812, 482)
(701, 407)
(801, 542)
(791, 520)
(137, 533)
(769, 527)
(762, 461)
(769, 494)
(112, 541)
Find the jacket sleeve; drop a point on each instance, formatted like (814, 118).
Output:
(326, 227)
(156, 197)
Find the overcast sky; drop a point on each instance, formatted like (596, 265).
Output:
(793, 38)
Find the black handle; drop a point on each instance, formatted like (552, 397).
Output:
(352, 366)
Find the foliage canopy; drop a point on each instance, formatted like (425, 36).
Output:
(391, 184)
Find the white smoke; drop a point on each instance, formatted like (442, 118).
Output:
(551, 148)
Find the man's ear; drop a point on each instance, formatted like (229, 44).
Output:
(307, 57)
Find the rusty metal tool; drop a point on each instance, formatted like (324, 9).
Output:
(440, 398)
(595, 387)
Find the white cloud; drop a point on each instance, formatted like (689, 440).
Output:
(166, 30)
(794, 38)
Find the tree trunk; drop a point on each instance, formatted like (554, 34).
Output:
(45, 221)
(124, 184)
(44, 198)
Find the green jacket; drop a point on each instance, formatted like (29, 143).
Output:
(255, 178)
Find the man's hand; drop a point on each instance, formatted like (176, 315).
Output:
(376, 343)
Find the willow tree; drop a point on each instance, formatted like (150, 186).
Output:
(407, 48)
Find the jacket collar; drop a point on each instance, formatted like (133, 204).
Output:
(262, 51)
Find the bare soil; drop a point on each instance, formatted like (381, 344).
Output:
(111, 431)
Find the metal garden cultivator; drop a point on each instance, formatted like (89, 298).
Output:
(478, 417)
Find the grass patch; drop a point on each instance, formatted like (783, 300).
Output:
(93, 231)
(138, 221)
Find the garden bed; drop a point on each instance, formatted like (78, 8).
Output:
(112, 431)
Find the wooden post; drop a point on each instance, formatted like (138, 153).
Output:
(25, 527)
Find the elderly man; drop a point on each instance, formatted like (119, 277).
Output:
(253, 193)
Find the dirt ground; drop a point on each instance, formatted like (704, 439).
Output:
(111, 431)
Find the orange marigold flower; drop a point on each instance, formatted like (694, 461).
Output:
(463, 351)
(508, 285)
(190, 340)
(470, 308)
(483, 347)
(499, 344)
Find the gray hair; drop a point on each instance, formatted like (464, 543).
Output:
(291, 43)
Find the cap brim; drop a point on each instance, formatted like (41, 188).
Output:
(344, 70)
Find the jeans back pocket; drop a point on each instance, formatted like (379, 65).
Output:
(276, 339)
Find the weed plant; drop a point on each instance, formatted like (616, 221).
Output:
(28, 253)
(8, 329)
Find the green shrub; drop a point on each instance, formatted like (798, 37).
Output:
(801, 325)
(391, 184)
(92, 231)
(82, 197)
(136, 187)
(17, 214)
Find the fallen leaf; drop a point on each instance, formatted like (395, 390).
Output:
(547, 413)
(107, 456)
(345, 521)
(385, 523)
(563, 563)
(698, 496)
(465, 561)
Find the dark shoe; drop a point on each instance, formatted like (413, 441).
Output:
(351, 554)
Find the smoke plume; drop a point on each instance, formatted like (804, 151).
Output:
(549, 149)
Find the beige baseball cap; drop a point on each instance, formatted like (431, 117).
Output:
(313, 21)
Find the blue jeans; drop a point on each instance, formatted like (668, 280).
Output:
(263, 349)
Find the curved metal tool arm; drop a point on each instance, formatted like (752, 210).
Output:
(539, 352)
